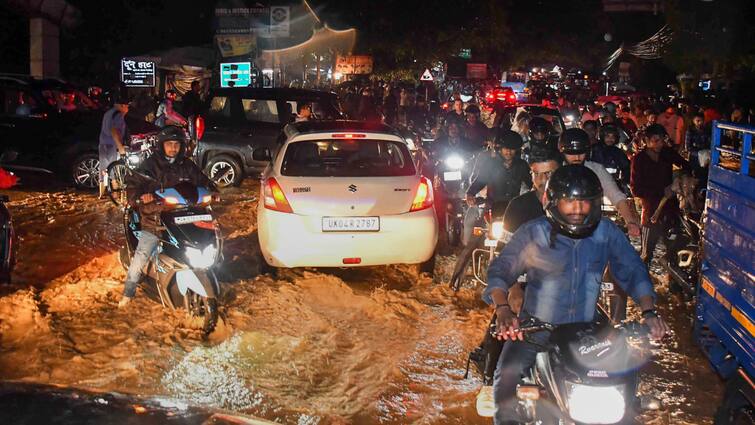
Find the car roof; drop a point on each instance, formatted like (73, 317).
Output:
(273, 93)
(339, 125)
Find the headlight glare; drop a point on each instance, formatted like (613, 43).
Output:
(595, 405)
(454, 162)
(496, 230)
(201, 259)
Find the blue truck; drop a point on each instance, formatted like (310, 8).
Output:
(725, 309)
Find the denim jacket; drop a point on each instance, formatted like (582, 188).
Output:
(563, 282)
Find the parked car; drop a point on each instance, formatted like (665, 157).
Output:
(64, 143)
(344, 194)
(239, 120)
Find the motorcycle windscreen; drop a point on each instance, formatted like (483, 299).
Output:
(596, 351)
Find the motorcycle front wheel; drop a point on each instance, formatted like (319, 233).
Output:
(202, 312)
(116, 183)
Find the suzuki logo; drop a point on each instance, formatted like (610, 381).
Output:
(352, 188)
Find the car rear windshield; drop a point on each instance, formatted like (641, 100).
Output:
(347, 158)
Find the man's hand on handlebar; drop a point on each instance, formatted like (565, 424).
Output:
(507, 325)
(147, 198)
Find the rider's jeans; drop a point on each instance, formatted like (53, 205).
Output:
(471, 217)
(144, 250)
(515, 358)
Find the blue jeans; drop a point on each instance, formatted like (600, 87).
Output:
(144, 250)
(513, 362)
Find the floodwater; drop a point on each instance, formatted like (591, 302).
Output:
(361, 346)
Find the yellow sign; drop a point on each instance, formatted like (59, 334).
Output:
(353, 64)
(236, 45)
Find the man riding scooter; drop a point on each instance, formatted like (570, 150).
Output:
(166, 168)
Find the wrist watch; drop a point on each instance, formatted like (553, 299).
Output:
(646, 314)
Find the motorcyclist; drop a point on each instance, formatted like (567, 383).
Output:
(540, 137)
(563, 255)
(166, 115)
(474, 130)
(610, 156)
(166, 168)
(575, 145)
(456, 114)
(503, 174)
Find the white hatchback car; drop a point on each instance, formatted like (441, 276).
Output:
(344, 194)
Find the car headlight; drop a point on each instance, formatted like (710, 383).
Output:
(496, 230)
(133, 159)
(595, 405)
(201, 259)
(454, 162)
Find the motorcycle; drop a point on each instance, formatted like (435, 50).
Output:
(586, 373)
(180, 274)
(482, 216)
(452, 180)
(685, 237)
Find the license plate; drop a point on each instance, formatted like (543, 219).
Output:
(350, 224)
(491, 243)
(606, 286)
(451, 176)
(192, 218)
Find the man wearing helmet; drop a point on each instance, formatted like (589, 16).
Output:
(607, 154)
(540, 137)
(563, 255)
(167, 167)
(575, 145)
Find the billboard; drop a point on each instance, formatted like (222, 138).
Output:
(477, 71)
(235, 74)
(236, 44)
(352, 64)
(138, 73)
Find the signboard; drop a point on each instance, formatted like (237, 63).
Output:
(235, 74)
(477, 71)
(654, 6)
(241, 20)
(426, 76)
(279, 21)
(350, 65)
(137, 73)
(465, 53)
(236, 44)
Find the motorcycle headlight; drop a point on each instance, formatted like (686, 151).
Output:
(454, 162)
(133, 159)
(201, 259)
(595, 405)
(496, 230)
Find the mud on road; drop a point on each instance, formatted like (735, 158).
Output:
(362, 346)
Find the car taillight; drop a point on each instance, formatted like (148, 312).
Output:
(275, 199)
(199, 127)
(355, 260)
(424, 197)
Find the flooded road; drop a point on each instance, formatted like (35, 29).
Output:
(363, 346)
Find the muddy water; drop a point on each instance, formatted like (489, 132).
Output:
(363, 346)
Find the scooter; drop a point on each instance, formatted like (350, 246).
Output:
(180, 274)
(586, 373)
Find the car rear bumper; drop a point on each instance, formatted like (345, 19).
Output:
(291, 240)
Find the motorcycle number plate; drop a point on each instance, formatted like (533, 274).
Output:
(606, 286)
(192, 218)
(491, 243)
(451, 176)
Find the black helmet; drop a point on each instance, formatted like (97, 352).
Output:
(539, 125)
(608, 129)
(171, 132)
(574, 141)
(508, 139)
(573, 182)
(473, 109)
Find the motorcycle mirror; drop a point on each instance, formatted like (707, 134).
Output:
(8, 156)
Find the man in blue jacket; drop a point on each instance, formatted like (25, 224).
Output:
(564, 255)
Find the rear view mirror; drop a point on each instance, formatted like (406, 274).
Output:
(262, 154)
(8, 156)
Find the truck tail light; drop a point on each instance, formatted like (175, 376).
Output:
(275, 199)
(424, 197)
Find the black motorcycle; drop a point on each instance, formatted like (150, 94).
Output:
(684, 265)
(180, 274)
(452, 170)
(586, 373)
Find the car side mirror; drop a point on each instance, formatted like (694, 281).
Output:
(8, 156)
(262, 154)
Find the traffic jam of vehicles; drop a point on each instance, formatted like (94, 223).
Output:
(540, 245)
